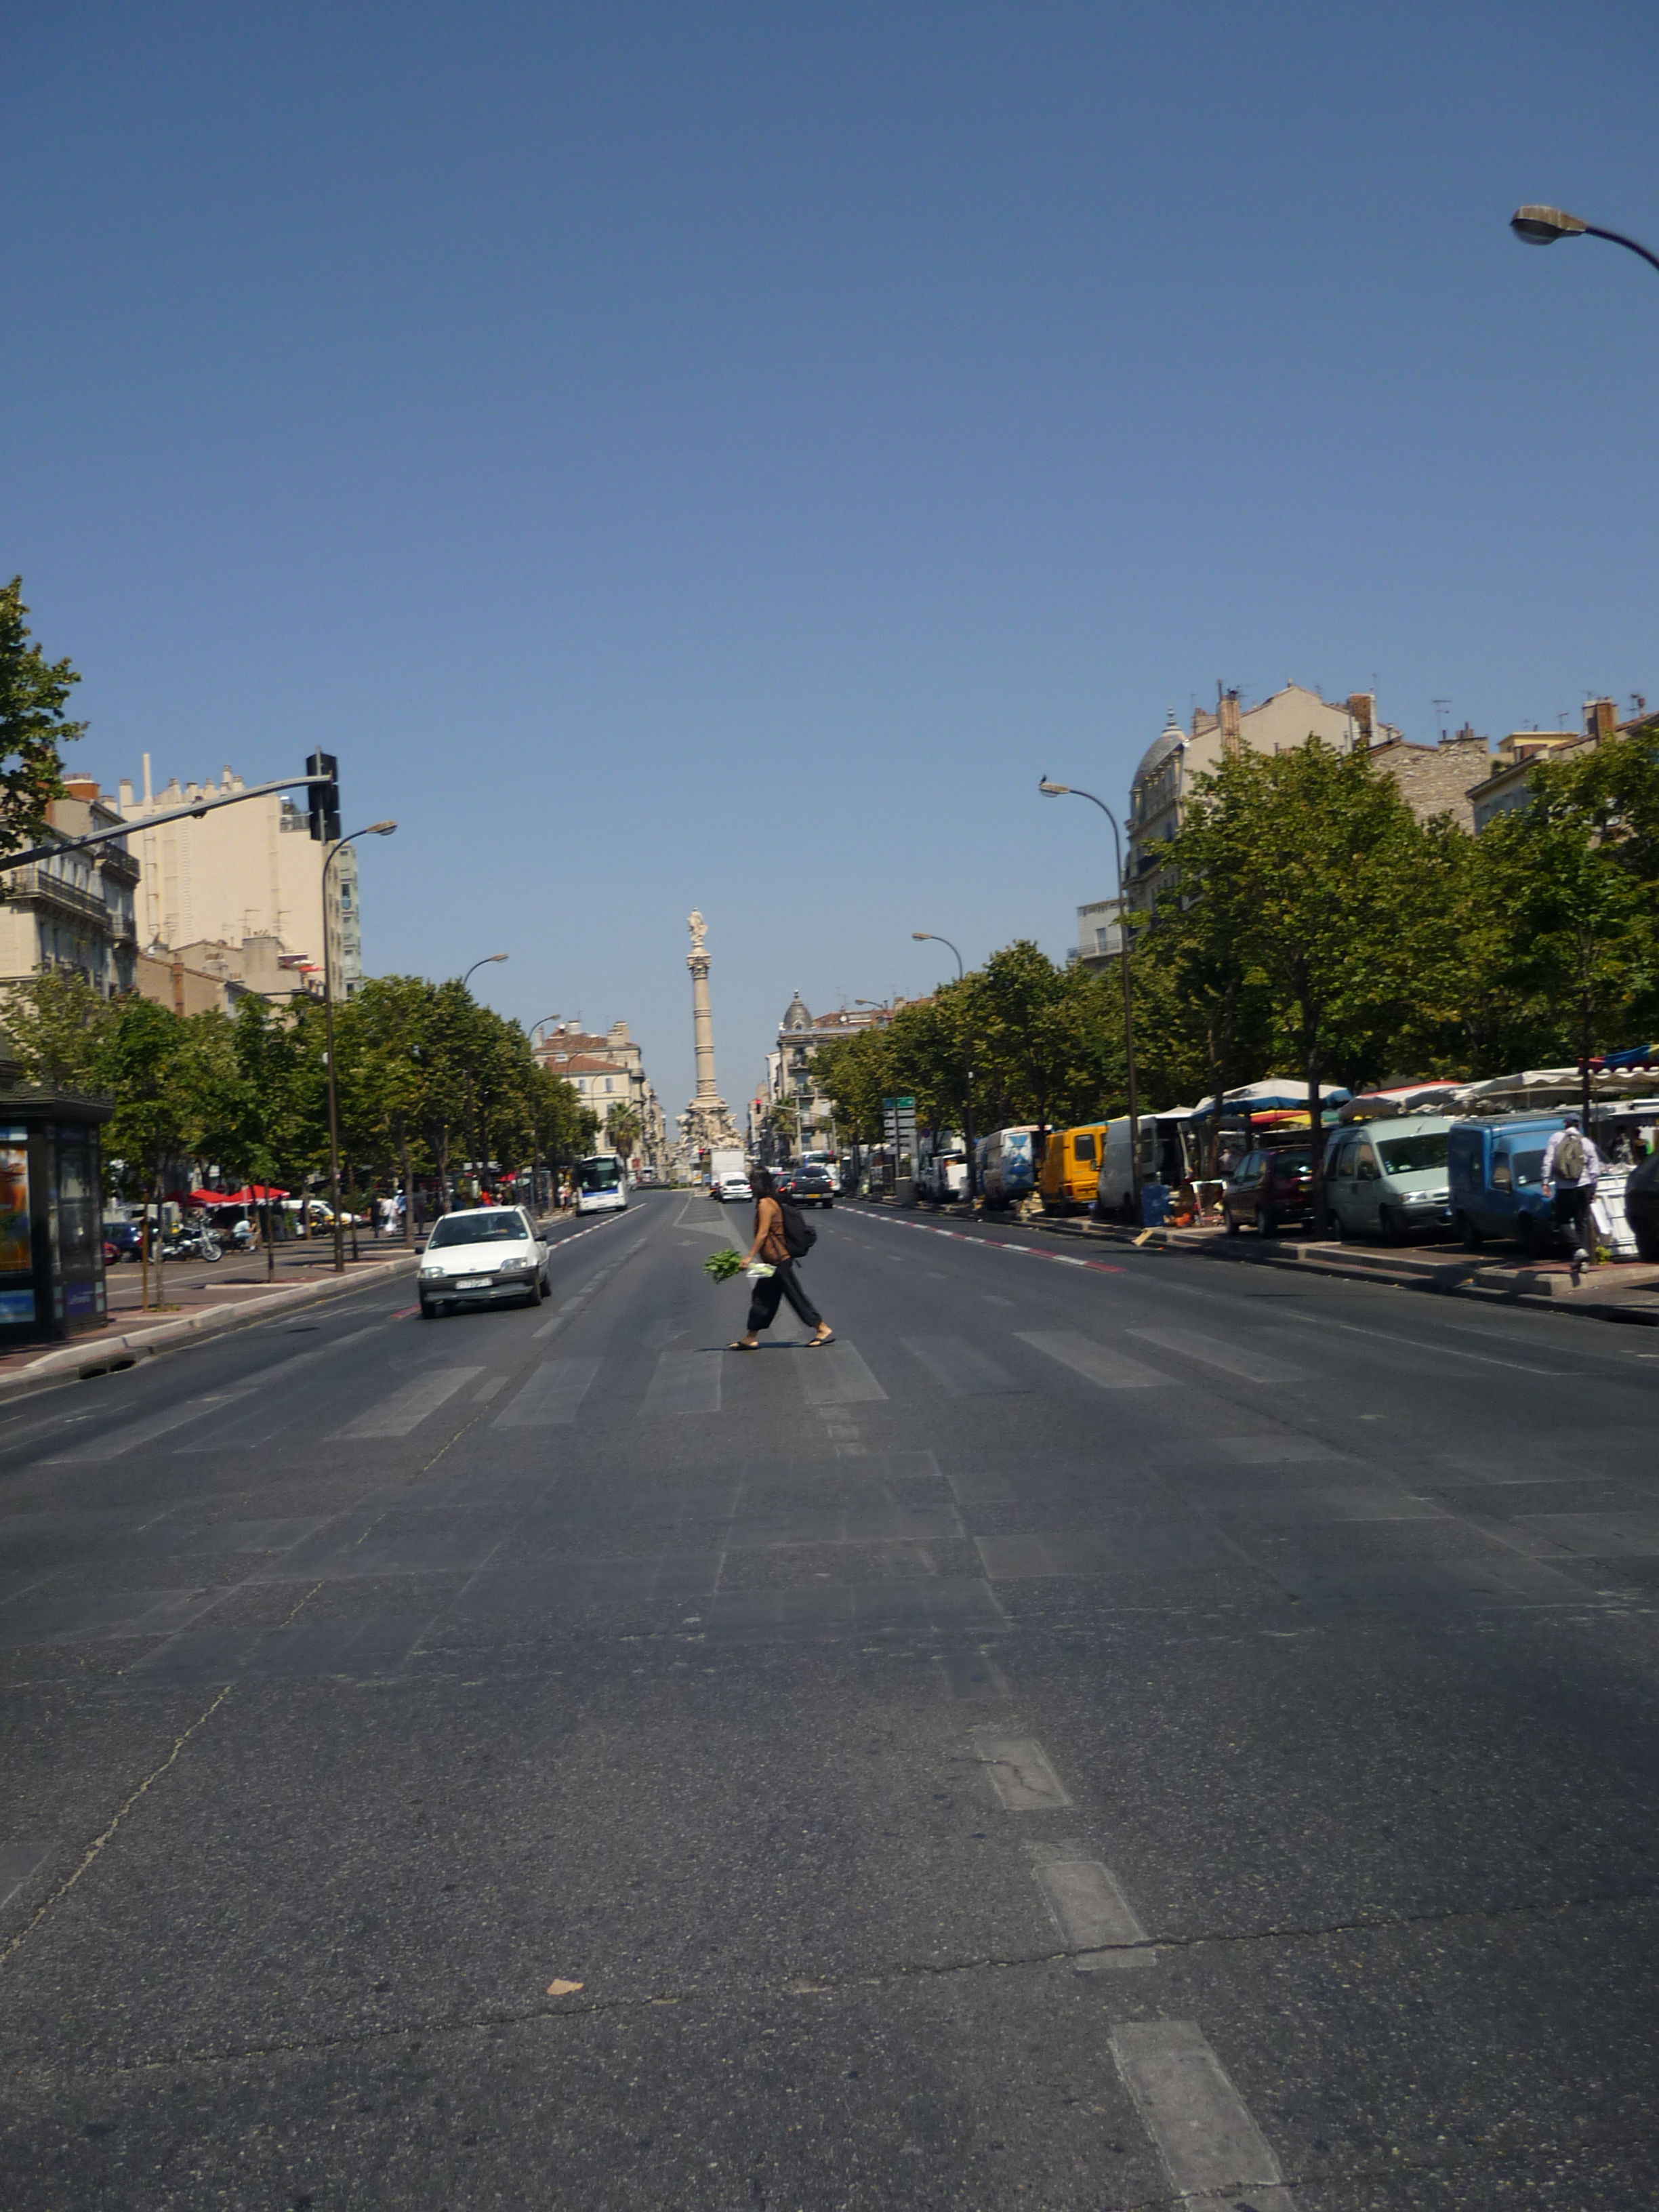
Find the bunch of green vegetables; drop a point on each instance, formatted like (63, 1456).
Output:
(722, 1265)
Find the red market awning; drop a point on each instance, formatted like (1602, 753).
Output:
(250, 1194)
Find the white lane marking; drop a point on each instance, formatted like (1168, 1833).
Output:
(551, 1398)
(1254, 1366)
(959, 1366)
(1211, 2149)
(116, 1441)
(1451, 1351)
(837, 1376)
(407, 1408)
(1019, 1771)
(558, 1321)
(684, 1383)
(1097, 1362)
(487, 1390)
(1094, 1917)
(989, 1243)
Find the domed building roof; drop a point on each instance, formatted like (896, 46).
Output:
(796, 1017)
(1168, 740)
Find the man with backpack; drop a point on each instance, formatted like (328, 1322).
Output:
(783, 1237)
(1571, 1170)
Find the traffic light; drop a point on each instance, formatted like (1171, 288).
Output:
(324, 798)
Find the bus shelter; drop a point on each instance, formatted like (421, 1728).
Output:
(52, 1238)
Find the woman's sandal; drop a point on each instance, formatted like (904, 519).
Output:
(737, 1344)
(813, 1342)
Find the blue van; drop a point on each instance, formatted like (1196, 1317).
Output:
(1496, 1170)
(1007, 1165)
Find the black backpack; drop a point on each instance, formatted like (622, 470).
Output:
(798, 1234)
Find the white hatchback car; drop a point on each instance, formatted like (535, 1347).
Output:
(731, 1187)
(480, 1257)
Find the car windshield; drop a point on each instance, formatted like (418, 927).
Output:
(599, 1174)
(1287, 1164)
(1407, 1155)
(491, 1228)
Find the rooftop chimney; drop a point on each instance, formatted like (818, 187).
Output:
(1232, 742)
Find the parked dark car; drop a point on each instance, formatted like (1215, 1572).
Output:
(811, 1187)
(1267, 1190)
(1642, 1206)
(121, 1242)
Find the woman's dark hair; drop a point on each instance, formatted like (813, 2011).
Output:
(760, 1182)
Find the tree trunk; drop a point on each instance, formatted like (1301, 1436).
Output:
(409, 1188)
(143, 1253)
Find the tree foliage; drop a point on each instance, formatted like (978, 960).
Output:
(1315, 927)
(33, 727)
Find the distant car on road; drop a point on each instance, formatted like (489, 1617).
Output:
(479, 1258)
(122, 1240)
(1267, 1190)
(812, 1186)
(730, 1186)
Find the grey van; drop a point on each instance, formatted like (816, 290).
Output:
(1388, 1178)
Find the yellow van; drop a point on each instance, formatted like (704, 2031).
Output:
(1067, 1179)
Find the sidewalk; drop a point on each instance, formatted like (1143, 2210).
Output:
(1621, 1290)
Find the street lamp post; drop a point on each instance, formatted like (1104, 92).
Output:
(932, 937)
(1070, 791)
(1542, 226)
(489, 961)
(375, 830)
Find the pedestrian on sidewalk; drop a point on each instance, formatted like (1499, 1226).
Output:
(1571, 1170)
(771, 1245)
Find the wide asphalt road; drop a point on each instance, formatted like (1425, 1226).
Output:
(1104, 1734)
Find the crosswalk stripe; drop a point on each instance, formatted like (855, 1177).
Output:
(116, 1441)
(1254, 1366)
(961, 1368)
(552, 1396)
(1097, 1362)
(684, 1383)
(407, 1408)
(837, 1376)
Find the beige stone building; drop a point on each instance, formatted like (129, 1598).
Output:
(1433, 780)
(792, 1105)
(1504, 790)
(243, 874)
(74, 910)
(607, 1071)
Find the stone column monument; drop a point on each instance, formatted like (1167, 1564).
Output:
(706, 1123)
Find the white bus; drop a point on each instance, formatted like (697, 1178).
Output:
(601, 1184)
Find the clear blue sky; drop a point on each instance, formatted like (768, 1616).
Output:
(721, 454)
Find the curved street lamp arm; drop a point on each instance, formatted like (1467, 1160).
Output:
(1618, 238)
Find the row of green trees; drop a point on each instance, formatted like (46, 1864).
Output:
(1310, 924)
(427, 1078)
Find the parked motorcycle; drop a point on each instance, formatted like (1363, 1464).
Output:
(190, 1243)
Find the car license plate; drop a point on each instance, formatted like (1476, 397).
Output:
(473, 1283)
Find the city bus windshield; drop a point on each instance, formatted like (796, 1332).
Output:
(599, 1174)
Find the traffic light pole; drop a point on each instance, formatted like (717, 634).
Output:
(176, 814)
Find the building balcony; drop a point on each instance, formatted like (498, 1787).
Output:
(34, 883)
